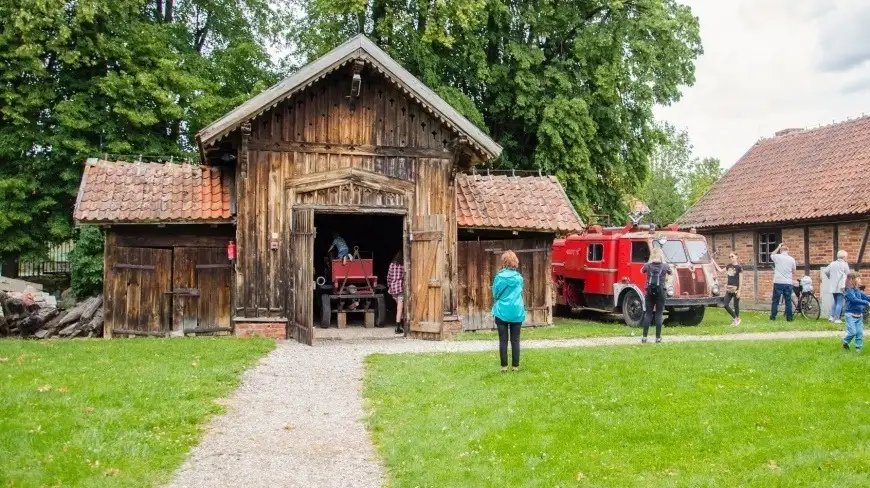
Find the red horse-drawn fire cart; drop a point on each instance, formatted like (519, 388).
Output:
(353, 288)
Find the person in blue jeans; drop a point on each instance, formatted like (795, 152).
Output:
(508, 309)
(783, 280)
(340, 247)
(856, 302)
(837, 272)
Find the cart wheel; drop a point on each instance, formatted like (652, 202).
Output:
(382, 312)
(325, 311)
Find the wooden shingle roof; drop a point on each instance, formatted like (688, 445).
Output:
(122, 192)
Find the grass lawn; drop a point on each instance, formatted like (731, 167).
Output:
(771, 414)
(716, 321)
(110, 413)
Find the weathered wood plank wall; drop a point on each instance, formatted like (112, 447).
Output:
(145, 266)
(479, 261)
(318, 134)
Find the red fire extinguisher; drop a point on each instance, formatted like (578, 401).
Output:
(231, 251)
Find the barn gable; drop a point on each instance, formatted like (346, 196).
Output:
(355, 54)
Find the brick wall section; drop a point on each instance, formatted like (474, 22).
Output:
(744, 245)
(451, 329)
(850, 237)
(721, 243)
(765, 285)
(794, 239)
(274, 330)
(821, 244)
(821, 241)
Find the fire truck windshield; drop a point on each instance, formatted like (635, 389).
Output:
(698, 252)
(674, 252)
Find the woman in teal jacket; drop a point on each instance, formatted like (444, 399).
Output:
(508, 308)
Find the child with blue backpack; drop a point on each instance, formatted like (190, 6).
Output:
(856, 302)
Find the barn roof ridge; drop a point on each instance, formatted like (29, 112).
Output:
(357, 47)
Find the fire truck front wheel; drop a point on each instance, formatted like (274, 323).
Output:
(632, 308)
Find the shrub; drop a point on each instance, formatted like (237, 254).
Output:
(86, 263)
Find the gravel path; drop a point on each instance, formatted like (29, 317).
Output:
(296, 419)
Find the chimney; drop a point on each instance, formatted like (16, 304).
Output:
(786, 132)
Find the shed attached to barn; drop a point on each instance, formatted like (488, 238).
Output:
(499, 213)
(351, 144)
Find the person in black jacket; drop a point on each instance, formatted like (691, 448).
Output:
(656, 270)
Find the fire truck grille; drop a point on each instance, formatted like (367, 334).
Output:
(692, 284)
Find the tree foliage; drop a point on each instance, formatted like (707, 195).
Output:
(83, 78)
(677, 179)
(564, 87)
(86, 263)
(704, 174)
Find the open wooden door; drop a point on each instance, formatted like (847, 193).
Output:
(302, 275)
(427, 275)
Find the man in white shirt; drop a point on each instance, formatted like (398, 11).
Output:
(783, 278)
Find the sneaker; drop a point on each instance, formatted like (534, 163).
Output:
(739, 321)
(643, 340)
(830, 319)
(733, 322)
(845, 346)
(400, 329)
(658, 340)
(515, 369)
(504, 369)
(838, 321)
(857, 350)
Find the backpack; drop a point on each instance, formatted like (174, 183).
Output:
(654, 282)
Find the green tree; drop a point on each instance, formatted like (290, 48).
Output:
(83, 78)
(86, 261)
(665, 189)
(566, 88)
(703, 175)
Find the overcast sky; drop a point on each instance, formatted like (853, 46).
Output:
(770, 65)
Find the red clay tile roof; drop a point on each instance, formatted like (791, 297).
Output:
(795, 176)
(516, 203)
(152, 192)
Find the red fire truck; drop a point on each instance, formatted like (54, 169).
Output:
(601, 270)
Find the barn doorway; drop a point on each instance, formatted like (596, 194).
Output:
(358, 298)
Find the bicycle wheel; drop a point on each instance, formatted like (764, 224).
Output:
(810, 308)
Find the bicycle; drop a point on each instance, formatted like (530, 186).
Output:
(805, 302)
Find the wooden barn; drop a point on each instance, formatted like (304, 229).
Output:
(498, 213)
(351, 143)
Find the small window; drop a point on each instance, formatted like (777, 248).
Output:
(595, 253)
(639, 252)
(767, 243)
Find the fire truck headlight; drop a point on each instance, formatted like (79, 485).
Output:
(670, 291)
(714, 289)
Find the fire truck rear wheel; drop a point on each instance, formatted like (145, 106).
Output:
(693, 316)
(632, 308)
